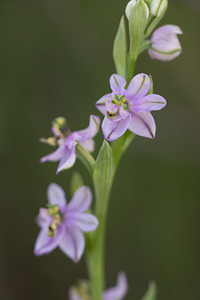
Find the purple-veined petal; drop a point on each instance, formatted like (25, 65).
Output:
(149, 103)
(164, 56)
(143, 124)
(44, 243)
(101, 103)
(81, 200)
(89, 132)
(84, 222)
(88, 145)
(119, 291)
(68, 159)
(138, 87)
(56, 195)
(165, 43)
(112, 130)
(55, 156)
(72, 243)
(117, 84)
(164, 31)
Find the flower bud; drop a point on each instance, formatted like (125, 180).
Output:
(158, 7)
(165, 43)
(157, 10)
(130, 6)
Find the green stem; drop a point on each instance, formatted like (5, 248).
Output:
(103, 178)
(86, 158)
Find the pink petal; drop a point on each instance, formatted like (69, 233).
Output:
(72, 243)
(55, 156)
(165, 43)
(84, 222)
(143, 124)
(112, 130)
(149, 103)
(68, 159)
(163, 31)
(101, 103)
(89, 132)
(138, 87)
(88, 145)
(119, 291)
(81, 200)
(44, 243)
(117, 84)
(56, 195)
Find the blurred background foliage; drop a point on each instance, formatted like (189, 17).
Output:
(56, 59)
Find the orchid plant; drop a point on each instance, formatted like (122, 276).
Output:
(127, 112)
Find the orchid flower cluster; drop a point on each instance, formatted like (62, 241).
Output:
(75, 226)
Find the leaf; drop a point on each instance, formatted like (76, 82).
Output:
(120, 48)
(151, 293)
(103, 176)
(151, 87)
(76, 182)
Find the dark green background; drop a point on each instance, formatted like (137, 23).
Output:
(56, 59)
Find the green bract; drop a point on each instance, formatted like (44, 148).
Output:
(137, 24)
(120, 49)
(151, 293)
(157, 12)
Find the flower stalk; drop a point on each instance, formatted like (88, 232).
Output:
(127, 112)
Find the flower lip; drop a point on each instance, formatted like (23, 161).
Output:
(118, 107)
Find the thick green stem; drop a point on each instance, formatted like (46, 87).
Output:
(86, 158)
(96, 259)
(103, 178)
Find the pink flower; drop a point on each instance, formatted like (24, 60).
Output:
(165, 43)
(117, 292)
(129, 108)
(62, 224)
(67, 141)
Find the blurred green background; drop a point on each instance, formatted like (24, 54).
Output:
(56, 59)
